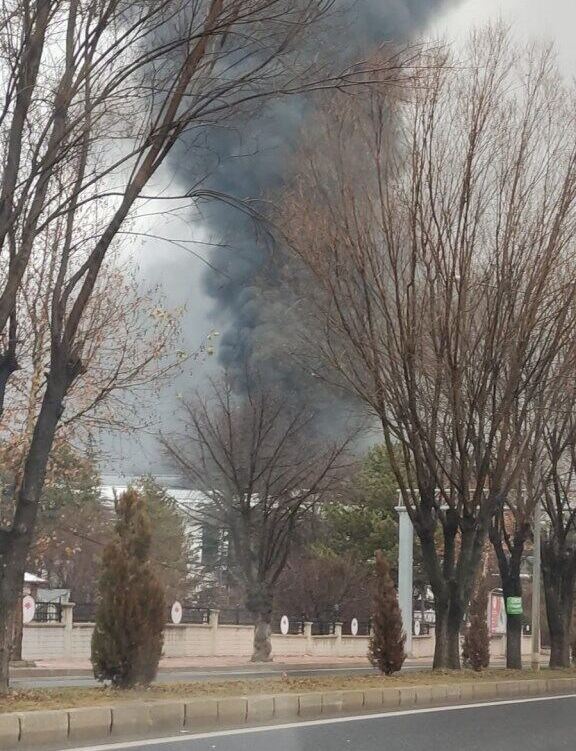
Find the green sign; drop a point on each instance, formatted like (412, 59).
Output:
(514, 606)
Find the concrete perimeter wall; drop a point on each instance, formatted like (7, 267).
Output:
(71, 641)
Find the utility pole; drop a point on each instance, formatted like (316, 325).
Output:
(536, 568)
(405, 570)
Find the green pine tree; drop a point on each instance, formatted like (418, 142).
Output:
(386, 651)
(171, 544)
(127, 640)
(367, 519)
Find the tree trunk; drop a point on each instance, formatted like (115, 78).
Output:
(560, 649)
(559, 575)
(259, 602)
(455, 618)
(13, 554)
(449, 617)
(509, 550)
(451, 577)
(15, 542)
(262, 650)
(441, 635)
(512, 587)
(17, 632)
(514, 642)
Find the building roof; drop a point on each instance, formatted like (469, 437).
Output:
(113, 485)
(33, 579)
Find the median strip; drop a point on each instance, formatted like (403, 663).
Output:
(124, 721)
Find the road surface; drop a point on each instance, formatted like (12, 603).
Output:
(238, 673)
(198, 674)
(247, 672)
(515, 725)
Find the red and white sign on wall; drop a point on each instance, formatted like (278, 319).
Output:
(176, 613)
(28, 608)
(497, 620)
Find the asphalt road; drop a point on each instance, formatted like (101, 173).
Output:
(180, 676)
(517, 725)
(239, 673)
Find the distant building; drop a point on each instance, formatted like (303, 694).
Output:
(205, 542)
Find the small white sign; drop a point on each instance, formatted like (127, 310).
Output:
(417, 628)
(284, 625)
(354, 626)
(28, 608)
(176, 613)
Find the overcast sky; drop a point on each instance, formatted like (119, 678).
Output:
(549, 19)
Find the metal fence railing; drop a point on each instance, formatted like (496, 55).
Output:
(85, 612)
(48, 612)
(421, 628)
(194, 614)
(323, 628)
(363, 628)
(295, 626)
(235, 617)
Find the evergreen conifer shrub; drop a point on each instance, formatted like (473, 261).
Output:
(386, 651)
(128, 636)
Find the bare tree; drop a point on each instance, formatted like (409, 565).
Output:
(433, 228)
(94, 96)
(254, 458)
(555, 483)
(325, 588)
(129, 344)
(510, 530)
(130, 341)
(512, 522)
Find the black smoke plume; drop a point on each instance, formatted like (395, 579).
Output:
(251, 162)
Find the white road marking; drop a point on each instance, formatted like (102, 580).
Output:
(187, 737)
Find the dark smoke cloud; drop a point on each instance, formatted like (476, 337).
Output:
(254, 311)
(245, 298)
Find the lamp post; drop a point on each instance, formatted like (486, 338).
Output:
(405, 570)
(536, 572)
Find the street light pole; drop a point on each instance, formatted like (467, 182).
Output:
(405, 571)
(536, 568)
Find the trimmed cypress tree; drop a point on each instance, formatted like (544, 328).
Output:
(386, 651)
(476, 646)
(127, 640)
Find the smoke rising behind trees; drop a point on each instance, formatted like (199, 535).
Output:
(242, 293)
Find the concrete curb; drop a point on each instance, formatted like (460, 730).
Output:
(71, 727)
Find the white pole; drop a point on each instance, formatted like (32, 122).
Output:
(536, 573)
(405, 571)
